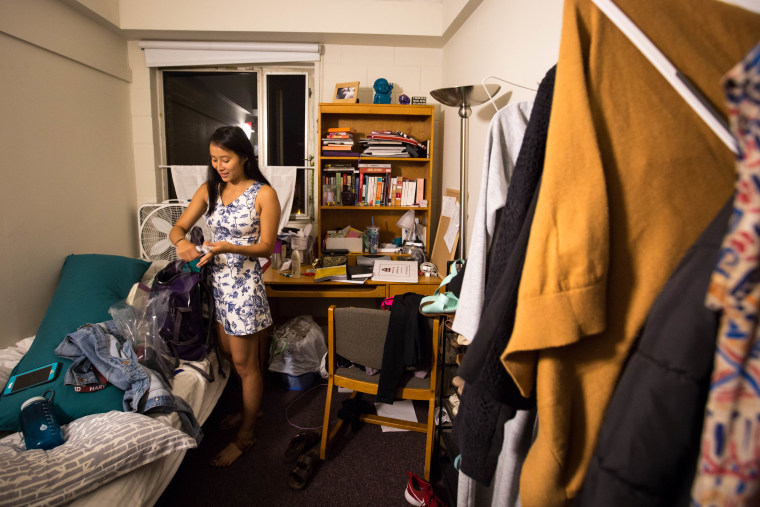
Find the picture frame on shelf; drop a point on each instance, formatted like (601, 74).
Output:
(346, 92)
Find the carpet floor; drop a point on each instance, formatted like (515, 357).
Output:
(367, 467)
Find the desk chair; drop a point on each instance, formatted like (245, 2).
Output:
(358, 334)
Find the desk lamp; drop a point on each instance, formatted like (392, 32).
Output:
(464, 97)
(406, 223)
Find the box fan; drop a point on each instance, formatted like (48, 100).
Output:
(154, 221)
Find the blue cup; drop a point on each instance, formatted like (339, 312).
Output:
(39, 424)
(372, 235)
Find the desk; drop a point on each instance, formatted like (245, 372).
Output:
(278, 286)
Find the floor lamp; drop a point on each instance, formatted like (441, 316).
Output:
(464, 97)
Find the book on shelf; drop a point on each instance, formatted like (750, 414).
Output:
(340, 129)
(330, 273)
(371, 153)
(347, 166)
(409, 192)
(336, 153)
(386, 143)
(338, 147)
(384, 135)
(420, 191)
(380, 192)
(368, 179)
(383, 165)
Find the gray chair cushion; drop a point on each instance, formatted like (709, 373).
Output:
(360, 335)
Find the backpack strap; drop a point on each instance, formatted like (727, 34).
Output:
(208, 295)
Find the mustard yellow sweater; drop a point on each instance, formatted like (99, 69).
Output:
(632, 177)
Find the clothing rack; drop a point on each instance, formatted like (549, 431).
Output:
(673, 76)
(483, 83)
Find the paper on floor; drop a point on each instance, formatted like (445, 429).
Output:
(403, 409)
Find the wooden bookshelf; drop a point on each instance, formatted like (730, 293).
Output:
(416, 121)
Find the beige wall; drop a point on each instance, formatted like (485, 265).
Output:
(413, 71)
(68, 178)
(516, 41)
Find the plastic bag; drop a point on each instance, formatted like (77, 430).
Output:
(297, 347)
(140, 322)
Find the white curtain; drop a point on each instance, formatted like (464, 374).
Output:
(187, 179)
(283, 180)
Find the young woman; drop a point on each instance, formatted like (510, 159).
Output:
(243, 212)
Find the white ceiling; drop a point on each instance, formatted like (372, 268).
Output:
(418, 23)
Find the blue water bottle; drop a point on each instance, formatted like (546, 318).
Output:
(39, 424)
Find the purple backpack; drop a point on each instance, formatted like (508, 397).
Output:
(189, 325)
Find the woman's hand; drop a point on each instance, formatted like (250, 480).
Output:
(186, 250)
(215, 249)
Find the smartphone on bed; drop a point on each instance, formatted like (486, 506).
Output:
(31, 378)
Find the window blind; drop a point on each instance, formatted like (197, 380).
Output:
(190, 53)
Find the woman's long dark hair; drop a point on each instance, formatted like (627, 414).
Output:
(231, 139)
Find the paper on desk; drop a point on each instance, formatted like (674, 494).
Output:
(403, 409)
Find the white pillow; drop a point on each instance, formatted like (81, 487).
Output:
(98, 448)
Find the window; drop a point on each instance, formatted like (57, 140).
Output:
(272, 104)
(286, 137)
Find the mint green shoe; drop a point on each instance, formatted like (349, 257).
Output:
(442, 303)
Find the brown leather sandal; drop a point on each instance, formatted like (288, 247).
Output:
(304, 470)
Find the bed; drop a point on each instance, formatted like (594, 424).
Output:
(110, 456)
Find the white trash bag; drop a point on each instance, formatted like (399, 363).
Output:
(297, 347)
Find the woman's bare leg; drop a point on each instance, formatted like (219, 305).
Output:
(244, 351)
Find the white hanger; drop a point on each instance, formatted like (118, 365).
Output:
(483, 82)
(681, 84)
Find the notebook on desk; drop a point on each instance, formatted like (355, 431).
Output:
(358, 272)
(330, 273)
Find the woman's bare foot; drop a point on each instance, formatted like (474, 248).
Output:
(237, 448)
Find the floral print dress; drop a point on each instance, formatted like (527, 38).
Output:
(239, 295)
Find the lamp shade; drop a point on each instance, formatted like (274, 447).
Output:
(406, 221)
(467, 96)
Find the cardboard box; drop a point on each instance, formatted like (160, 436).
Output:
(350, 244)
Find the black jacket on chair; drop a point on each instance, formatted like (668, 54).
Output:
(405, 344)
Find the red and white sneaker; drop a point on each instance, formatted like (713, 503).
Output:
(420, 493)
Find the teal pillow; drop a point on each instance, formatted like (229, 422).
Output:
(88, 286)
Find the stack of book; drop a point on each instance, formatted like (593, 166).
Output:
(339, 182)
(330, 273)
(386, 143)
(339, 142)
(343, 273)
(374, 186)
(408, 192)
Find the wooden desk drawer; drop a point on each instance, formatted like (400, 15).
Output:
(395, 289)
(289, 290)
